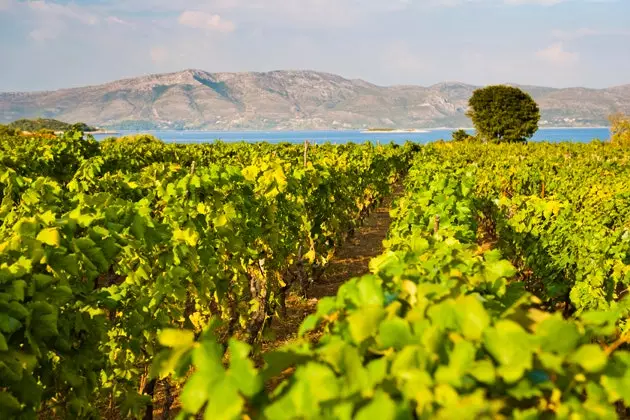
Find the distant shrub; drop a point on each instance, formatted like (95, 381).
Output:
(46, 131)
(620, 130)
(138, 139)
(5, 130)
(461, 135)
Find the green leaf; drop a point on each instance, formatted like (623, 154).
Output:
(364, 322)
(460, 358)
(323, 384)
(483, 371)
(242, 369)
(8, 403)
(176, 338)
(49, 236)
(224, 402)
(472, 317)
(616, 378)
(220, 221)
(394, 333)
(590, 357)
(208, 358)
(370, 291)
(512, 347)
(3, 343)
(381, 407)
(557, 335)
(309, 324)
(195, 392)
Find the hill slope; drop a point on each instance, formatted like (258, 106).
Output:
(288, 100)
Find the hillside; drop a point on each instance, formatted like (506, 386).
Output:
(197, 99)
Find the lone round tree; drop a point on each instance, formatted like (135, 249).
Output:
(503, 114)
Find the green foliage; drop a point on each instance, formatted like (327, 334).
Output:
(48, 124)
(441, 329)
(102, 246)
(620, 130)
(461, 135)
(5, 130)
(120, 256)
(503, 114)
(559, 212)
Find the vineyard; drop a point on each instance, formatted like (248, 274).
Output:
(131, 266)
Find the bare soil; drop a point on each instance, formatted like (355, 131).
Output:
(351, 260)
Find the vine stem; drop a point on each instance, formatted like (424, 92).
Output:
(621, 341)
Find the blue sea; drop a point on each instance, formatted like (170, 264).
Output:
(555, 135)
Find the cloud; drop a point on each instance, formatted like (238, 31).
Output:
(52, 19)
(207, 21)
(58, 11)
(557, 55)
(116, 20)
(587, 32)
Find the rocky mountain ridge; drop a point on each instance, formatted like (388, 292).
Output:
(290, 100)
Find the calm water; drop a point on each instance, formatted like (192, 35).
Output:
(579, 135)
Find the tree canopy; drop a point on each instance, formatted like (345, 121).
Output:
(503, 114)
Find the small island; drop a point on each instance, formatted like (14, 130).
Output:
(393, 130)
(51, 125)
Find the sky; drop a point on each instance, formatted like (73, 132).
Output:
(48, 44)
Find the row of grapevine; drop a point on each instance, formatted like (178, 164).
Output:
(443, 328)
(561, 213)
(102, 246)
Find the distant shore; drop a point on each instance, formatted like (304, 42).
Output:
(394, 131)
(102, 132)
(574, 128)
(540, 128)
(362, 131)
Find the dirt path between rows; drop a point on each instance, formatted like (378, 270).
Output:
(351, 260)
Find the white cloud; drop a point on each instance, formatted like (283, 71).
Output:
(58, 11)
(52, 19)
(556, 54)
(202, 20)
(116, 20)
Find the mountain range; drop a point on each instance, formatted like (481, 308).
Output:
(290, 100)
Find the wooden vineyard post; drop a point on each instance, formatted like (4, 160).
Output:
(436, 225)
(305, 152)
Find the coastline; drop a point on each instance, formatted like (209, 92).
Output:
(398, 131)
(350, 130)
(101, 132)
(540, 128)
